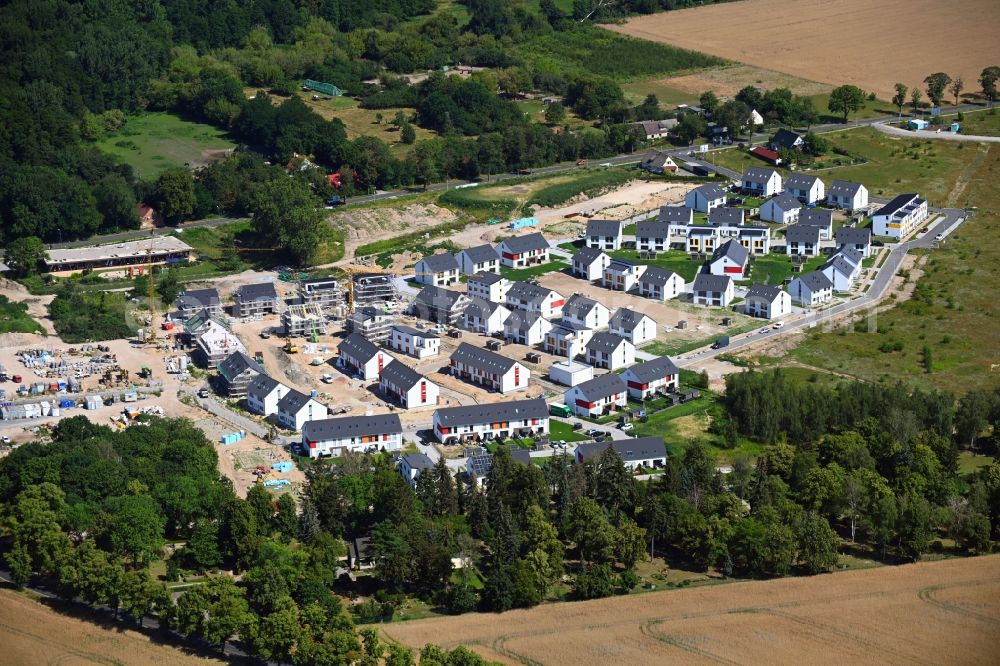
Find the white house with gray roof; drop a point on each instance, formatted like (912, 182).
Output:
(589, 263)
(489, 421)
(609, 351)
(488, 369)
(236, 372)
(767, 302)
(847, 195)
(437, 270)
(660, 284)
(598, 396)
(807, 189)
(811, 289)
(360, 356)
(843, 269)
(654, 235)
(407, 387)
(636, 327)
(532, 297)
(352, 434)
(705, 197)
(295, 409)
(604, 234)
(263, 395)
(731, 259)
(523, 251)
(782, 209)
(727, 216)
(414, 342)
(858, 239)
(900, 216)
(819, 218)
(567, 338)
(486, 317)
(585, 311)
(638, 453)
(756, 239)
(702, 239)
(251, 300)
(440, 305)
(802, 241)
(193, 301)
(677, 219)
(622, 275)
(645, 380)
(761, 181)
(712, 290)
(525, 328)
(488, 286)
(412, 465)
(478, 259)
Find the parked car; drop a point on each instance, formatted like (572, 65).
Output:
(626, 427)
(577, 425)
(5, 440)
(594, 432)
(778, 324)
(203, 393)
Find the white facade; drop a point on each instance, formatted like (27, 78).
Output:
(768, 307)
(570, 373)
(713, 293)
(900, 216)
(850, 196)
(638, 332)
(779, 211)
(806, 190)
(595, 406)
(567, 340)
(425, 272)
(643, 388)
(354, 434)
(671, 286)
(414, 342)
(369, 368)
(765, 187)
(702, 239)
(488, 287)
(704, 199)
(498, 373)
(516, 329)
(265, 402)
(483, 259)
(515, 253)
(531, 298)
(590, 268)
(596, 316)
(726, 265)
(490, 421)
(622, 276)
(611, 358)
(294, 419)
(479, 320)
(810, 292)
(423, 393)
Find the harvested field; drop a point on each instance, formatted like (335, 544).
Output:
(726, 81)
(928, 613)
(839, 41)
(31, 633)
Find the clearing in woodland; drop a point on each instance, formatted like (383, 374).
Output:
(925, 613)
(839, 41)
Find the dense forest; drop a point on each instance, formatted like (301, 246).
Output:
(73, 73)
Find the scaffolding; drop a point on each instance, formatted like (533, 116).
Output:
(306, 319)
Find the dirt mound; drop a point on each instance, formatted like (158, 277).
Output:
(366, 225)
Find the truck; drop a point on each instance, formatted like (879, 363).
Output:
(560, 410)
(723, 341)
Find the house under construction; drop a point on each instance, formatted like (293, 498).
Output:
(373, 288)
(371, 323)
(306, 319)
(325, 292)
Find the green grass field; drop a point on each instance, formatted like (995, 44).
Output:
(533, 271)
(774, 268)
(872, 109)
(14, 318)
(565, 432)
(983, 123)
(153, 142)
(677, 261)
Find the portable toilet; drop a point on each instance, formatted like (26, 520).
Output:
(45, 407)
(955, 127)
(94, 402)
(917, 123)
(130, 396)
(55, 409)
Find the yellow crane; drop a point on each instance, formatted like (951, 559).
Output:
(151, 335)
(351, 270)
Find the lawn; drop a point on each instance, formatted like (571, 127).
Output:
(677, 261)
(774, 268)
(153, 142)
(950, 312)
(533, 271)
(983, 123)
(564, 431)
(667, 95)
(14, 318)
(872, 109)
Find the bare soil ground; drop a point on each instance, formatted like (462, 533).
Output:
(367, 225)
(32, 633)
(928, 613)
(843, 41)
(38, 306)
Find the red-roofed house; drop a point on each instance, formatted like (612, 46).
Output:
(766, 154)
(148, 216)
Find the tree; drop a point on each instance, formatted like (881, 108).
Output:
(555, 113)
(630, 543)
(689, 128)
(988, 82)
(913, 526)
(275, 634)
(709, 102)
(407, 134)
(168, 286)
(116, 201)
(817, 543)
(175, 194)
(926, 359)
(899, 99)
(937, 83)
(285, 215)
(846, 99)
(286, 521)
(203, 546)
(594, 582)
(589, 528)
(956, 87)
(24, 255)
(309, 525)
(915, 97)
(228, 611)
(136, 528)
(814, 144)
(613, 484)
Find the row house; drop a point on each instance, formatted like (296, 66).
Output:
(622, 275)
(353, 434)
(639, 453)
(523, 251)
(757, 240)
(488, 369)
(702, 239)
(598, 396)
(491, 421)
(360, 356)
(263, 395)
(899, 217)
(535, 298)
(407, 387)
(646, 380)
(295, 409)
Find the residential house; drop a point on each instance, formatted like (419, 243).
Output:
(645, 380)
(705, 197)
(407, 387)
(236, 372)
(821, 219)
(761, 182)
(766, 154)
(525, 328)
(659, 162)
(370, 322)
(622, 275)
(352, 434)
(756, 239)
(785, 139)
(252, 300)
(604, 234)
(782, 209)
(479, 259)
(712, 290)
(485, 317)
(638, 453)
(656, 129)
(589, 263)
(412, 465)
(263, 395)
(214, 343)
(702, 239)
(847, 195)
(325, 292)
(755, 118)
(731, 259)
(636, 327)
(295, 409)
(660, 284)
(598, 396)
(842, 271)
(491, 421)
(805, 188)
(586, 312)
(858, 239)
(488, 369)
(304, 319)
(531, 297)
(900, 216)
(488, 286)
(726, 216)
(802, 241)
(567, 338)
(442, 306)
(811, 289)
(360, 356)
(373, 288)
(607, 350)
(437, 270)
(524, 251)
(193, 301)
(414, 342)
(767, 302)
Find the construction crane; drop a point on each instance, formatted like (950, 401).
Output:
(151, 334)
(352, 270)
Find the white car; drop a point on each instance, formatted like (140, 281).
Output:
(778, 325)
(939, 237)
(5, 440)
